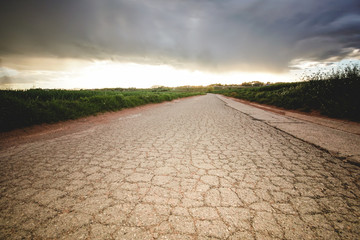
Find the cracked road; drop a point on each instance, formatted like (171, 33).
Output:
(189, 169)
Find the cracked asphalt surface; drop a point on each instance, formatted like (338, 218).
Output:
(189, 169)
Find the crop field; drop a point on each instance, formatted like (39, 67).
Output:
(35, 106)
(335, 94)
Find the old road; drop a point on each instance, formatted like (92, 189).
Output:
(188, 169)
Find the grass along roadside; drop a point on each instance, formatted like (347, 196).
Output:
(335, 94)
(35, 106)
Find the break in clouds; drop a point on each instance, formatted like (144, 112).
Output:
(213, 35)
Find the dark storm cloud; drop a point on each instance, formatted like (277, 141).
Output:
(208, 34)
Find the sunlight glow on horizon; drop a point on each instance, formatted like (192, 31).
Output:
(108, 74)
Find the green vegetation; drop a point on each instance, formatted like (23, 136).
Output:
(335, 94)
(25, 108)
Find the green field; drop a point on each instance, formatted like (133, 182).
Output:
(35, 106)
(335, 94)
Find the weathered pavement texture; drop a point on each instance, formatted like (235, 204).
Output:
(190, 169)
(340, 138)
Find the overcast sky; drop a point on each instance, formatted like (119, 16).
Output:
(207, 36)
